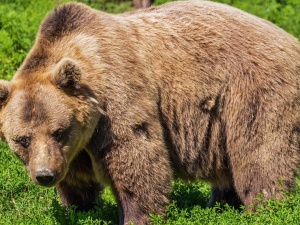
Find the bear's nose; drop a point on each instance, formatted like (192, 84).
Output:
(44, 176)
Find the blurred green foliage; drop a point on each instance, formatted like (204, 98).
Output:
(20, 19)
(111, 6)
(19, 22)
(284, 13)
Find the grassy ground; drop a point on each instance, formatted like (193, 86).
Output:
(22, 202)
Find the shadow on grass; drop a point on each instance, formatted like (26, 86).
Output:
(188, 195)
(103, 213)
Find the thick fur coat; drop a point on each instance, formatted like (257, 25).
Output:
(197, 90)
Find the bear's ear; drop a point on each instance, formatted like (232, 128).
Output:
(67, 74)
(5, 87)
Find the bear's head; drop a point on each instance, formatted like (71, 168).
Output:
(47, 117)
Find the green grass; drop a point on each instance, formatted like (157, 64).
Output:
(22, 202)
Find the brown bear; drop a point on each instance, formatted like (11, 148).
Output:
(197, 90)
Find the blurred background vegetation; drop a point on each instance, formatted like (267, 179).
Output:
(20, 19)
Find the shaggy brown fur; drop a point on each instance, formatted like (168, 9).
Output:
(197, 90)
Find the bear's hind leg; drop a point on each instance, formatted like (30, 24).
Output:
(262, 137)
(265, 171)
(224, 196)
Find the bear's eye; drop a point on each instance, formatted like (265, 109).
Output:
(58, 134)
(24, 141)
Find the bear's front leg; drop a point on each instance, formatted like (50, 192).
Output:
(141, 180)
(79, 187)
(140, 176)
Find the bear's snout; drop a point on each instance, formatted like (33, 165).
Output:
(45, 176)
